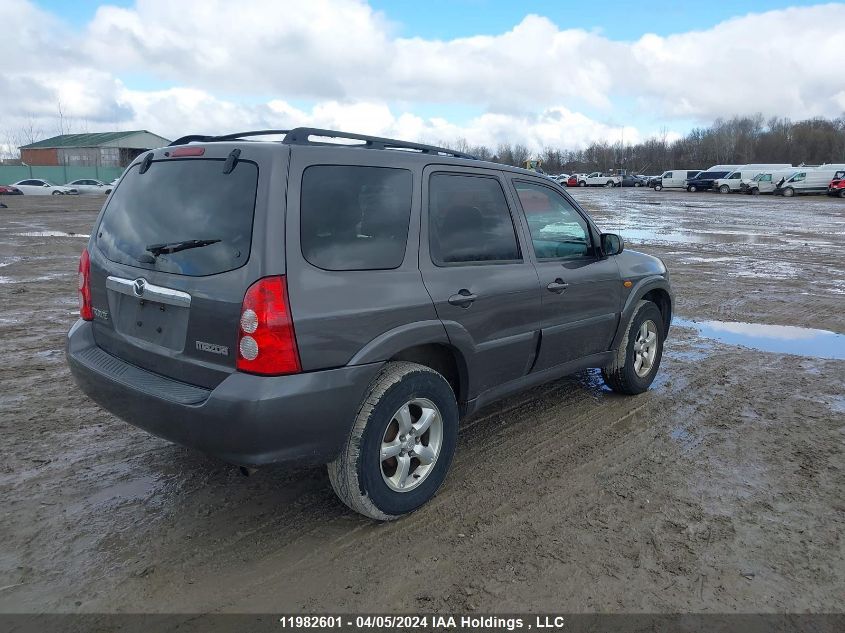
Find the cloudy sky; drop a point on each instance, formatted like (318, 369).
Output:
(546, 73)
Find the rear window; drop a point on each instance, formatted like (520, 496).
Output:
(355, 218)
(181, 216)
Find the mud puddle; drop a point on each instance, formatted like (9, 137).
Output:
(50, 234)
(781, 339)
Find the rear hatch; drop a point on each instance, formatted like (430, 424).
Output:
(176, 247)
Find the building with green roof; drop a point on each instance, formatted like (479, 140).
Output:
(99, 149)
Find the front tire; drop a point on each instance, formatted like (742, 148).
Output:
(692, 188)
(658, 187)
(724, 189)
(401, 444)
(636, 363)
(582, 183)
(755, 192)
(57, 193)
(788, 192)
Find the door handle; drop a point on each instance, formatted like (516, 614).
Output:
(557, 286)
(464, 298)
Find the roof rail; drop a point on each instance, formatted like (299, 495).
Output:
(302, 136)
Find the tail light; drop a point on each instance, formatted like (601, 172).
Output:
(266, 340)
(86, 310)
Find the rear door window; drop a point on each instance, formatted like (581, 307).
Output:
(355, 218)
(181, 216)
(469, 221)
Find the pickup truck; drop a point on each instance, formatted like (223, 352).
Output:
(599, 179)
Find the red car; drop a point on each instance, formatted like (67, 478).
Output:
(573, 181)
(837, 185)
(9, 190)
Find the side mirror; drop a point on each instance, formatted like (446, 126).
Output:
(612, 244)
(45, 185)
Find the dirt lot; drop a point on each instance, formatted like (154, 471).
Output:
(720, 490)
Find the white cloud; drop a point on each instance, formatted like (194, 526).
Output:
(242, 64)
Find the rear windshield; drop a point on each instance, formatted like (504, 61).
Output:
(181, 216)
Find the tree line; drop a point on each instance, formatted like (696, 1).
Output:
(740, 141)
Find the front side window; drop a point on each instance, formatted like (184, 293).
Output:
(667, 175)
(355, 218)
(469, 221)
(557, 230)
(798, 177)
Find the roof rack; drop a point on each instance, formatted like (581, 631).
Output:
(302, 136)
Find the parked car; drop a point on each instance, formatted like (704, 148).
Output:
(765, 182)
(40, 187)
(572, 181)
(377, 322)
(675, 179)
(705, 180)
(733, 181)
(807, 181)
(599, 179)
(837, 185)
(631, 181)
(10, 190)
(561, 179)
(90, 186)
(651, 181)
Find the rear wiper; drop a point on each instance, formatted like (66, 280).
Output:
(175, 247)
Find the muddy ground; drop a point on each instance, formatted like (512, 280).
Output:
(720, 490)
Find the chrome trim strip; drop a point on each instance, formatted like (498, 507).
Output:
(151, 292)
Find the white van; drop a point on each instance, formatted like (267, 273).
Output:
(733, 181)
(808, 180)
(675, 178)
(766, 181)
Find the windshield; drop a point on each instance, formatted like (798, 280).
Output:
(839, 175)
(181, 216)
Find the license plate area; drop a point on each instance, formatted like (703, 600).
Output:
(159, 317)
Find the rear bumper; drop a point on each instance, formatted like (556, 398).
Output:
(246, 419)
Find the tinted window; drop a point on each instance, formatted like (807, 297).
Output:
(355, 218)
(177, 201)
(557, 230)
(693, 174)
(469, 221)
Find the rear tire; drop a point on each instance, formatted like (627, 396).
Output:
(842, 193)
(724, 189)
(609, 183)
(57, 193)
(371, 485)
(624, 374)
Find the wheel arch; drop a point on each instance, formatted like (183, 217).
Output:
(655, 289)
(425, 343)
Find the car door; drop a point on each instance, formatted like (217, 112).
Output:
(28, 186)
(581, 290)
(473, 265)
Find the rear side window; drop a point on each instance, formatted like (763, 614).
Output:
(355, 218)
(181, 216)
(469, 221)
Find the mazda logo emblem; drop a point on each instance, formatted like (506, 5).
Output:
(138, 287)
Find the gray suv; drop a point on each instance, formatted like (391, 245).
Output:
(315, 301)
